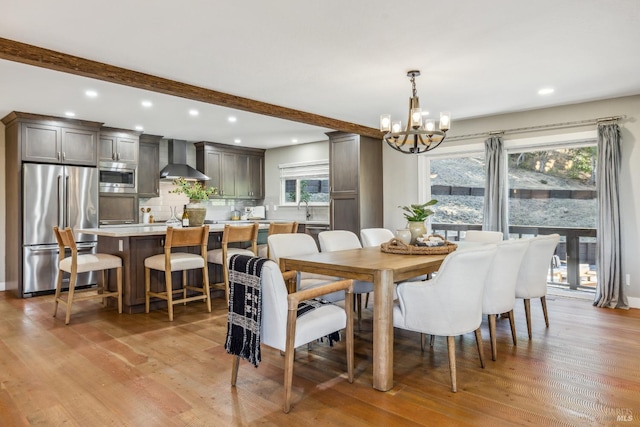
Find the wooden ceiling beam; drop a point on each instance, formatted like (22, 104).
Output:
(15, 51)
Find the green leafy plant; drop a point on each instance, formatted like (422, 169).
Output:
(194, 190)
(418, 212)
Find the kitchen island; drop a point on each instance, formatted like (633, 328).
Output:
(134, 243)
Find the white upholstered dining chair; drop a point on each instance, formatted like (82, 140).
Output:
(483, 236)
(372, 237)
(282, 329)
(341, 240)
(286, 245)
(276, 228)
(532, 277)
(449, 304)
(500, 286)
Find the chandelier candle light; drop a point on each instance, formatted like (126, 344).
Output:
(418, 137)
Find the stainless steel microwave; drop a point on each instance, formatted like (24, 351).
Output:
(117, 178)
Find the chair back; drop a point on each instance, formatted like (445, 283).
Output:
(65, 238)
(182, 237)
(532, 277)
(500, 286)
(338, 240)
(284, 245)
(375, 236)
(241, 233)
(274, 306)
(451, 303)
(283, 227)
(483, 236)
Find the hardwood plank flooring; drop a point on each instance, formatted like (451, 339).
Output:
(141, 370)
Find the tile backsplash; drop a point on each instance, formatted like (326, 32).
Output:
(220, 209)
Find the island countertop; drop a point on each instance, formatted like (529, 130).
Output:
(144, 230)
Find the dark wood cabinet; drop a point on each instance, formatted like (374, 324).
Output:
(149, 166)
(236, 173)
(355, 176)
(45, 139)
(118, 145)
(118, 208)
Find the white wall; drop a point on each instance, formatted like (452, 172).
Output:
(401, 170)
(291, 154)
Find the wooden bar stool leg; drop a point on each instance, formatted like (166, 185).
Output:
(119, 288)
(184, 286)
(147, 288)
(167, 279)
(103, 287)
(205, 286)
(58, 290)
(72, 286)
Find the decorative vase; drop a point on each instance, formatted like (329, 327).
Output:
(197, 212)
(404, 234)
(417, 229)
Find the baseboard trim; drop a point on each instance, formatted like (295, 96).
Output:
(3, 286)
(634, 302)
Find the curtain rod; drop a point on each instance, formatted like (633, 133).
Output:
(539, 127)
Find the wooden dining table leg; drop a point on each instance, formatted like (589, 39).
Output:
(383, 330)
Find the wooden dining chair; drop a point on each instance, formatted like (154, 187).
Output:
(276, 228)
(76, 264)
(233, 234)
(179, 261)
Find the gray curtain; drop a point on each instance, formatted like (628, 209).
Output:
(610, 291)
(494, 216)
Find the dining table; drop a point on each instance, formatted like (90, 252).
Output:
(383, 270)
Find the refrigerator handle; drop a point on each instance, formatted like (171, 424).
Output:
(66, 202)
(60, 203)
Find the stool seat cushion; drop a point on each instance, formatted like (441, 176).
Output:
(179, 261)
(215, 256)
(92, 262)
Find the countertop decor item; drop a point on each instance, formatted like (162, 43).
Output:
(417, 137)
(416, 215)
(397, 246)
(194, 190)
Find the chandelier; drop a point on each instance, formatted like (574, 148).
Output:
(420, 135)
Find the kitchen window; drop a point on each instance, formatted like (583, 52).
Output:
(305, 182)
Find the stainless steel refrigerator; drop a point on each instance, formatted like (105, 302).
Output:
(66, 196)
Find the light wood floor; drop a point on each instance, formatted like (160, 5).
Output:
(141, 370)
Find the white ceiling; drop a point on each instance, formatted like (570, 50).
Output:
(341, 59)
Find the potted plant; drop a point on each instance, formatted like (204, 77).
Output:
(196, 192)
(416, 215)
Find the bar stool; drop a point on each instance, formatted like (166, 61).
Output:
(179, 261)
(75, 264)
(277, 228)
(233, 234)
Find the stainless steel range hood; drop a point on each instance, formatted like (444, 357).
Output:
(178, 167)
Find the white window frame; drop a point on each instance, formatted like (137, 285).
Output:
(301, 171)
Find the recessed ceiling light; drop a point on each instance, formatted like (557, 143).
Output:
(194, 112)
(146, 103)
(70, 114)
(546, 91)
(294, 141)
(232, 119)
(237, 140)
(91, 93)
(139, 128)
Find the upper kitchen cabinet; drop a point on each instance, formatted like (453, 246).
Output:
(149, 166)
(355, 176)
(45, 139)
(118, 145)
(236, 173)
